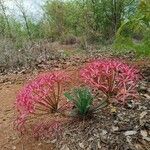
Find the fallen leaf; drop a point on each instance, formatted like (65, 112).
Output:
(144, 133)
(147, 96)
(146, 138)
(143, 114)
(127, 133)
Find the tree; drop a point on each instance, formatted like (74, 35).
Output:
(5, 21)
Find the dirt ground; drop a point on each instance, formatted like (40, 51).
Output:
(107, 139)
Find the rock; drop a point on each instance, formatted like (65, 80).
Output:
(39, 144)
(143, 114)
(81, 145)
(131, 104)
(65, 147)
(47, 141)
(14, 148)
(54, 141)
(91, 139)
(115, 128)
(144, 133)
(128, 133)
(104, 132)
(13, 137)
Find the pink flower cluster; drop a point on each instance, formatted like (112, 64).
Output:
(113, 77)
(40, 95)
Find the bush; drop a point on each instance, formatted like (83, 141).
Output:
(112, 77)
(133, 34)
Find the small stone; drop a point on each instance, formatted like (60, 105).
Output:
(128, 133)
(39, 144)
(131, 104)
(48, 141)
(53, 141)
(14, 138)
(14, 147)
(81, 145)
(144, 133)
(91, 139)
(104, 132)
(65, 147)
(115, 128)
(115, 122)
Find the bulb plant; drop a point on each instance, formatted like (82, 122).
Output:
(113, 78)
(81, 98)
(40, 96)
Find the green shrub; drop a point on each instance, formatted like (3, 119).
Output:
(134, 33)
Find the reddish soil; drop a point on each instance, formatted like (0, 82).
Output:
(10, 139)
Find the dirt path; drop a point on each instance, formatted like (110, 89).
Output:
(9, 138)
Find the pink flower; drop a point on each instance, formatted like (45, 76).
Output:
(113, 77)
(41, 95)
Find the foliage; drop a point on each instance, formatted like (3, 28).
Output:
(112, 77)
(40, 96)
(81, 98)
(133, 34)
(94, 20)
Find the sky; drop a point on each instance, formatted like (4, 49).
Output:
(32, 7)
